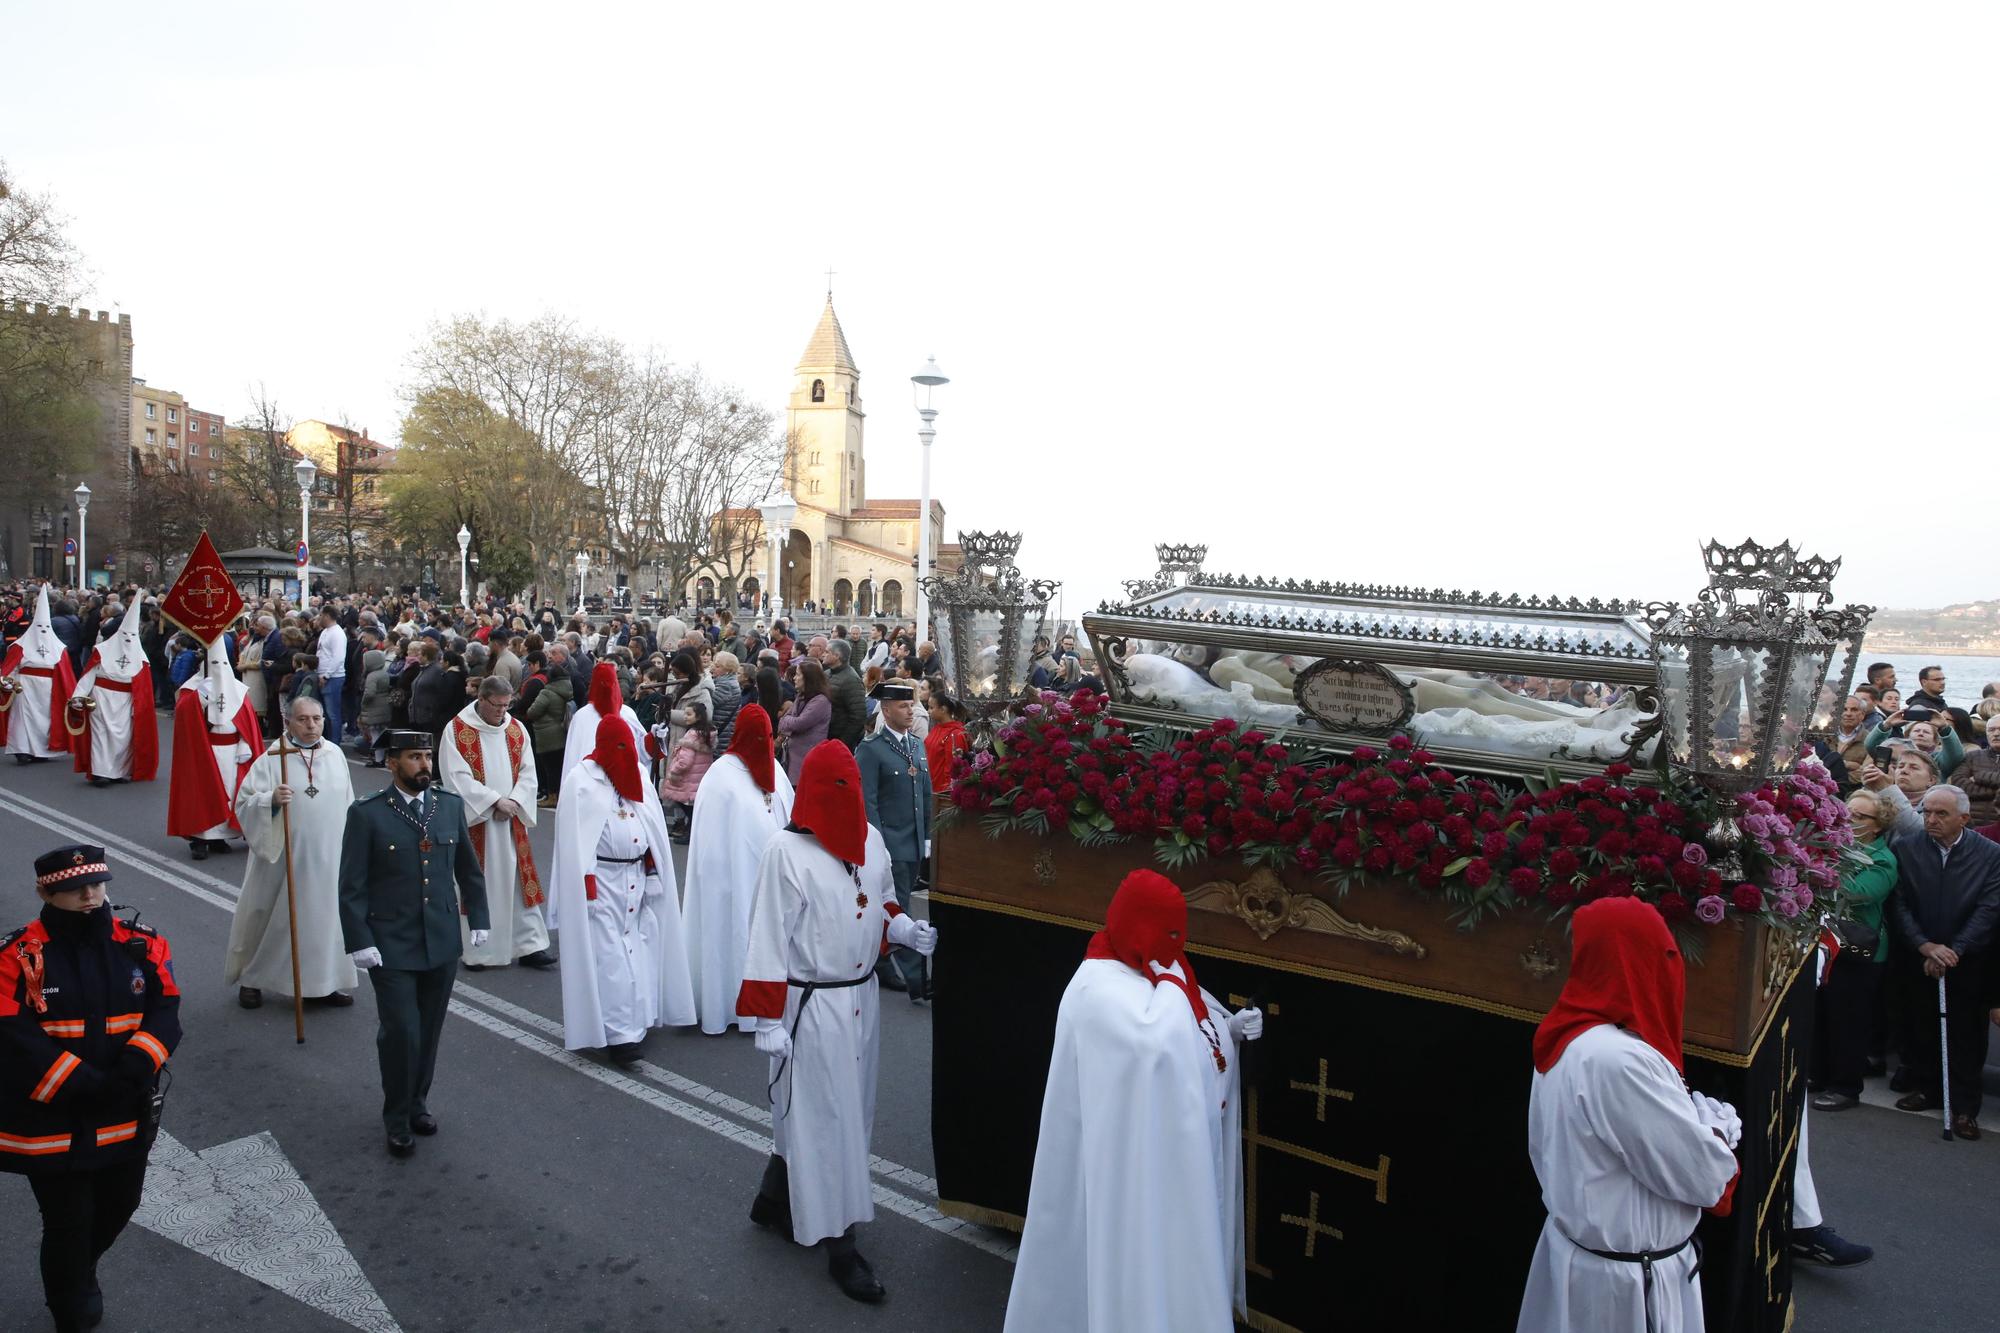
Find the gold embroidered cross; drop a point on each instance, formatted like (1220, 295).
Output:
(1314, 1227)
(1321, 1092)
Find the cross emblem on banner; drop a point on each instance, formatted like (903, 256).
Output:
(1320, 1092)
(208, 591)
(203, 600)
(1314, 1227)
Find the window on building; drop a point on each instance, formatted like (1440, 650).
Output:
(149, 436)
(215, 451)
(815, 487)
(368, 487)
(194, 450)
(819, 391)
(173, 414)
(152, 413)
(173, 440)
(215, 428)
(173, 465)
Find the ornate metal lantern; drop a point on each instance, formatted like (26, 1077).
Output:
(1741, 669)
(1180, 565)
(1846, 627)
(988, 616)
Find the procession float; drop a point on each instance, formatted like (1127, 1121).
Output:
(1382, 804)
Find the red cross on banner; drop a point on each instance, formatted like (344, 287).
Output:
(203, 600)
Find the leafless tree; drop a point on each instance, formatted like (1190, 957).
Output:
(256, 473)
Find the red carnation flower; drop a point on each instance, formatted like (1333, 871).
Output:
(1560, 895)
(1478, 871)
(1563, 863)
(1377, 858)
(1747, 898)
(1674, 907)
(1524, 882)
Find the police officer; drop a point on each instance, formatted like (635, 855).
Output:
(896, 783)
(399, 914)
(89, 1013)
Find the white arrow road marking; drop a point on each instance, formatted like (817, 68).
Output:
(243, 1205)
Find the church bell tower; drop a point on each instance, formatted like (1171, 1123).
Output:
(825, 467)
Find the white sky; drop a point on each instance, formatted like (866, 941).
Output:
(1529, 297)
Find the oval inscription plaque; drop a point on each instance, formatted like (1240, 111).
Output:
(1353, 696)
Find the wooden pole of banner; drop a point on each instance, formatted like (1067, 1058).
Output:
(291, 894)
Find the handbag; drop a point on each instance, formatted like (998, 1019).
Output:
(1856, 937)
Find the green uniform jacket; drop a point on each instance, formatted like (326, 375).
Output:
(397, 898)
(899, 805)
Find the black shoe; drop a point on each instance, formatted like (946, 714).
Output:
(625, 1054)
(1835, 1101)
(1823, 1245)
(22, 761)
(402, 1145)
(475, 967)
(857, 1280)
(93, 1304)
(1914, 1101)
(541, 958)
(250, 997)
(337, 1000)
(423, 1122)
(218, 845)
(198, 850)
(771, 1215)
(920, 993)
(100, 782)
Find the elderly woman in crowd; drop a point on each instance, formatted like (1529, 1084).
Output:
(1848, 999)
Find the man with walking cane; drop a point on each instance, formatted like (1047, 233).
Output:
(293, 809)
(1947, 907)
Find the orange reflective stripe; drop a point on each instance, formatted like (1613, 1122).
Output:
(34, 1147)
(52, 1081)
(63, 1027)
(120, 1023)
(117, 1133)
(150, 1044)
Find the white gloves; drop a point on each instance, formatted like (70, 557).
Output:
(911, 933)
(1720, 1117)
(1170, 970)
(366, 958)
(774, 1041)
(1246, 1025)
(479, 937)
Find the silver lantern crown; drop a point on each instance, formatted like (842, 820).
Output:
(988, 617)
(1180, 565)
(1742, 669)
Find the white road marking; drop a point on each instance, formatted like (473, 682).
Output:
(244, 1205)
(223, 895)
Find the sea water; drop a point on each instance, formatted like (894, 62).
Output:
(1964, 677)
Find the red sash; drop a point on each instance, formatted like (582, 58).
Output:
(467, 741)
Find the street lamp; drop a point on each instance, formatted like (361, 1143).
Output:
(305, 471)
(582, 573)
(778, 513)
(464, 580)
(82, 494)
(922, 385)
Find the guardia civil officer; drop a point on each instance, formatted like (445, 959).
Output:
(896, 782)
(399, 911)
(89, 1013)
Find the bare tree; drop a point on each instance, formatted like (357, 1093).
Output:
(256, 473)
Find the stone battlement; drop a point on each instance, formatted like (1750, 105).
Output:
(45, 311)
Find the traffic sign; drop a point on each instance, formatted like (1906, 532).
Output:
(69, 546)
(302, 555)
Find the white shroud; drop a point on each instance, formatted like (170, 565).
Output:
(1135, 1212)
(118, 658)
(518, 930)
(1624, 1166)
(260, 943)
(624, 963)
(733, 823)
(806, 926)
(28, 729)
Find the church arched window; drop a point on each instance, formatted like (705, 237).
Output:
(819, 391)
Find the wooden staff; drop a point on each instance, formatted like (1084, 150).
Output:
(291, 895)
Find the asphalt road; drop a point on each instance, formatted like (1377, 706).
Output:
(564, 1195)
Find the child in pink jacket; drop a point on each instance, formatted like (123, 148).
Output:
(686, 765)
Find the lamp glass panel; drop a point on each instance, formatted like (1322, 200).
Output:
(1737, 676)
(1676, 696)
(1796, 698)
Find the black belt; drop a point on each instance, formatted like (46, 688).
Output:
(806, 989)
(619, 860)
(1646, 1259)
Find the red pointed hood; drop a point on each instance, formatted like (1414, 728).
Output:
(829, 804)
(1147, 923)
(617, 753)
(604, 693)
(1624, 969)
(751, 742)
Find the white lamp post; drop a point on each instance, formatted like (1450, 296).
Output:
(923, 384)
(778, 513)
(582, 573)
(464, 582)
(305, 471)
(82, 494)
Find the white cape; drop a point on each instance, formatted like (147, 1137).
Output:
(733, 823)
(260, 945)
(1625, 1166)
(624, 961)
(517, 930)
(579, 742)
(1135, 1212)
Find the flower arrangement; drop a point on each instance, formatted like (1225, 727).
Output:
(1393, 813)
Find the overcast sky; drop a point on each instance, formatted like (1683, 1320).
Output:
(1529, 296)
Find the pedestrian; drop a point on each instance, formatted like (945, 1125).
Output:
(849, 719)
(743, 800)
(1851, 994)
(726, 690)
(803, 723)
(36, 678)
(330, 650)
(547, 719)
(90, 1012)
(896, 787)
(624, 959)
(1144, 1059)
(822, 913)
(216, 738)
(313, 784)
(488, 763)
(947, 739)
(109, 724)
(403, 849)
(1627, 1156)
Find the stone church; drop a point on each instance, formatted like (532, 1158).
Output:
(850, 553)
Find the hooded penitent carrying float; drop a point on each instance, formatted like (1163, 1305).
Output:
(109, 721)
(36, 678)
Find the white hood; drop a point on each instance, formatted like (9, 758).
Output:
(217, 668)
(39, 646)
(120, 656)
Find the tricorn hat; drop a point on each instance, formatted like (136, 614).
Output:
(397, 741)
(71, 867)
(889, 691)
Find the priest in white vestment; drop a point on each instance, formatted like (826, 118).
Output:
(488, 761)
(624, 962)
(1135, 1210)
(113, 733)
(36, 678)
(313, 783)
(823, 915)
(743, 800)
(1628, 1157)
(215, 740)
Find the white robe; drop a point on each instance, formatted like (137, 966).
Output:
(733, 823)
(1624, 1165)
(260, 945)
(1135, 1211)
(110, 724)
(517, 930)
(228, 752)
(28, 727)
(624, 962)
(580, 740)
(806, 926)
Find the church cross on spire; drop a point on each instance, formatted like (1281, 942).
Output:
(829, 282)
